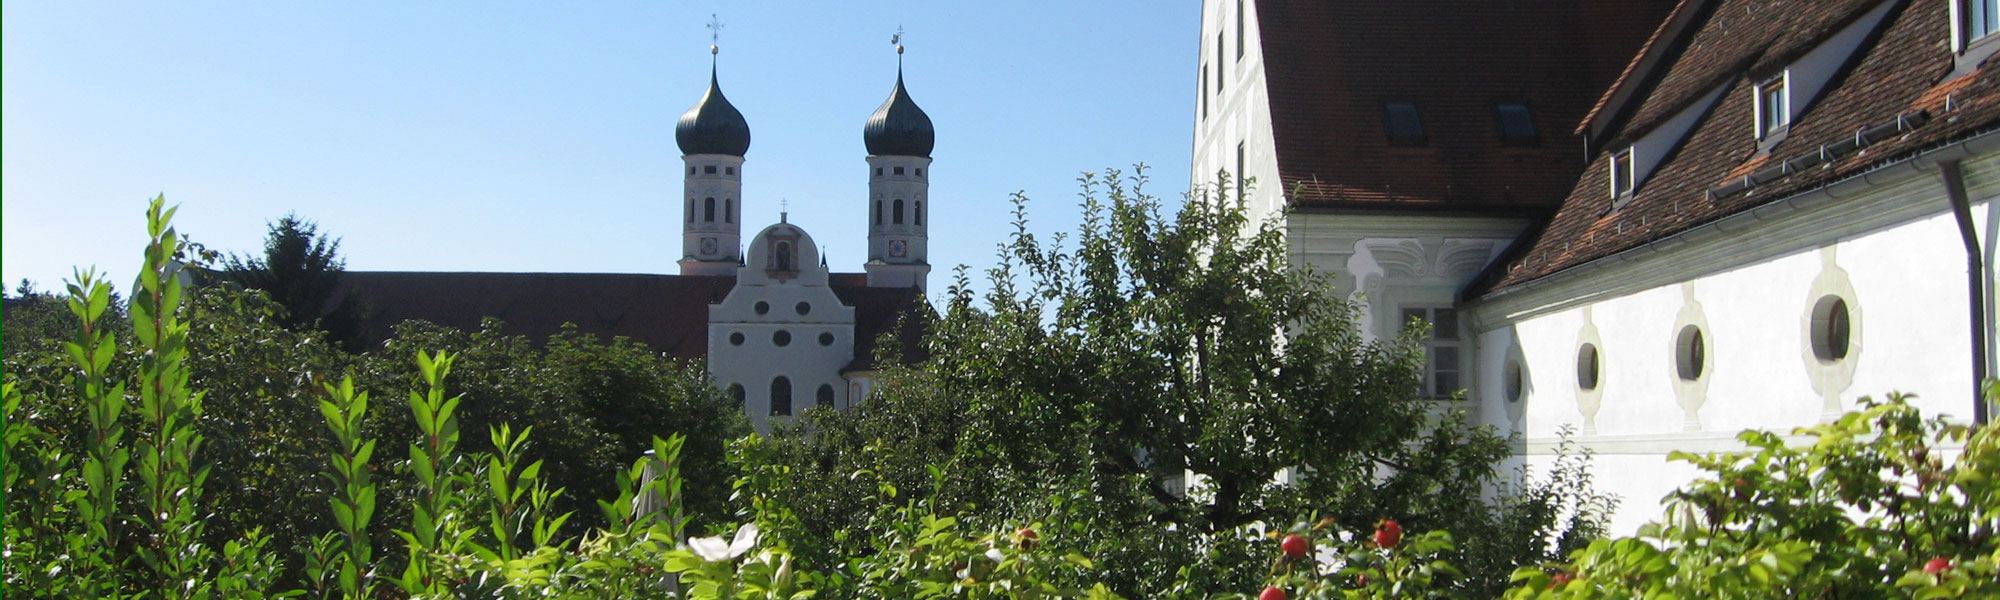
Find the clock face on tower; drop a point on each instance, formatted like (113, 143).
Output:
(708, 245)
(898, 248)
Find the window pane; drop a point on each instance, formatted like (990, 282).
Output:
(1444, 325)
(1771, 104)
(1981, 19)
(1621, 173)
(1517, 126)
(1406, 127)
(1447, 384)
(1445, 358)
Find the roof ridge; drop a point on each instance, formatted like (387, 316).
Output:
(1619, 96)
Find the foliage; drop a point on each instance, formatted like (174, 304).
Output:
(301, 270)
(1165, 380)
(1858, 509)
(71, 527)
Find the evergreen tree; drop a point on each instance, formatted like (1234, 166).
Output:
(301, 270)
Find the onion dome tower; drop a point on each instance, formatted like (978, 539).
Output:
(713, 137)
(899, 139)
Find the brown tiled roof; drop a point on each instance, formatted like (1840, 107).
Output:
(901, 311)
(1900, 72)
(1330, 66)
(1740, 37)
(666, 312)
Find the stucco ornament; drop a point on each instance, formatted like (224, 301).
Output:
(1830, 375)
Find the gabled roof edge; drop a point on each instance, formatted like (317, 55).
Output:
(1645, 70)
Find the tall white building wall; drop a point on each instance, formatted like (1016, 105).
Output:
(1888, 246)
(770, 305)
(899, 214)
(712, 205)
(1232, 110)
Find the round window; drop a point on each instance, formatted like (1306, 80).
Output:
(803, 308)
(762, 307)
(736, 338)
(1586, 367)
(1830, 328)
(782, 338)
(1690, 352)
(826, 338)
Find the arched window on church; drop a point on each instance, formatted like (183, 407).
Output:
(736, 393)
(782, 258)
(918, 205)
(781, 396)
(708, 210)
(826, 395)
(897, 212)
(729, 210)
(878, 212)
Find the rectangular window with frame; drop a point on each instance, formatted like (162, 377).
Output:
(1516, 124)
(1773, 107)
(1239, 171)
(1219, 69)
(1404, 123)
(1978, 19)
(1621, 175)
(1443, 350)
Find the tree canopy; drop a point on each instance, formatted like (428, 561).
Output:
(301, 270)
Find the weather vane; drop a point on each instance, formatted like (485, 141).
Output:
(897, 39)
(714, 33)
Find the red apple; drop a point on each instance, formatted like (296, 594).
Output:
(1937, 565)
(1559, 579)
(1388, 534)
(1271, 592)
(1295, 547)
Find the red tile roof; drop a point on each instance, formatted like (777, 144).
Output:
(1900, 71)
(666, 312)
(1330, 66)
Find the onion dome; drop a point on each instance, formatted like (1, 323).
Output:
(899, 128)
(713, 126)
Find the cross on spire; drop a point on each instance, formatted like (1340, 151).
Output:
(784, 211)
(714, 33)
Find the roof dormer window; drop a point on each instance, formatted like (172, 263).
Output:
(1405, 125)
(1980, 18)
(1774, 115)
(1621, 177)
(1974, 23)
(1516, 124)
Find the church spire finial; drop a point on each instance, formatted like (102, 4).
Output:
(897, 40)
(714, 36)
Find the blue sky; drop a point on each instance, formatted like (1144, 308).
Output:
(539, 136)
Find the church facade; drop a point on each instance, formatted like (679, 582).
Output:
(1648, 224)
(777, 328)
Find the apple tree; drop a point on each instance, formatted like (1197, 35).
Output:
(1160, 380)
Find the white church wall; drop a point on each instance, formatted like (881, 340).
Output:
(1239, 115)
(1909, 322)
(817, 330)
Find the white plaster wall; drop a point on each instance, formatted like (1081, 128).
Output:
(1241, 113)
(1911, 332)
(1913, 287)
(758, 361)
